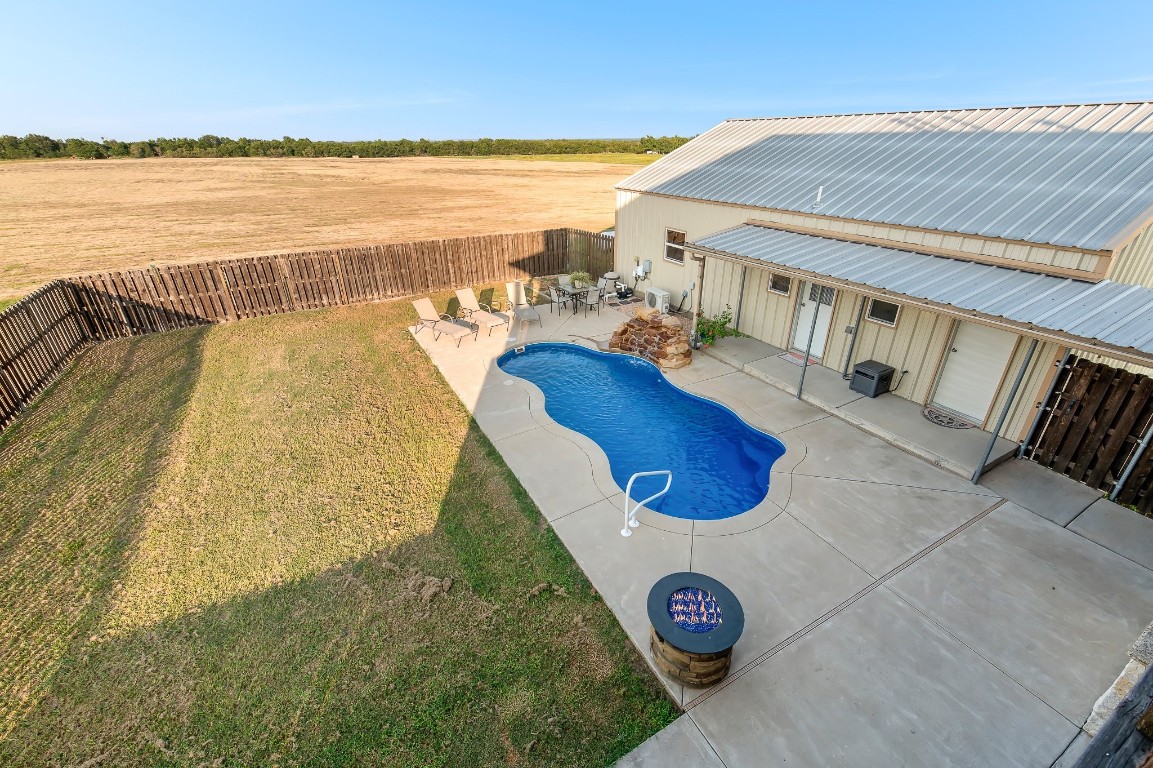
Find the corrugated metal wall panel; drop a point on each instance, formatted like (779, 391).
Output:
(1025, 406)
(1134, 263)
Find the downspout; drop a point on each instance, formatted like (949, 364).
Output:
(740, 299)
(809, 346)
(1005, 411)
(700, 292)
(1041, 407)
(853, 341)
(1120, 484)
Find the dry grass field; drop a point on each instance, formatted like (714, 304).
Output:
(66, 217)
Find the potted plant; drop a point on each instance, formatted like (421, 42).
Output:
(581, 279)
(709, 329)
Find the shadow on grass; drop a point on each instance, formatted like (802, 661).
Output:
(75, 473)
(373, 662)
(475, 642)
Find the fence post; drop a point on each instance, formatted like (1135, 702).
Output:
(1132, 464)
(1044, 406)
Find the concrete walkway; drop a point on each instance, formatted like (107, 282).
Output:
(896, 614)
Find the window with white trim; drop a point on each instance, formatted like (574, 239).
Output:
(780, 284)
(883, 312)
(675, 246)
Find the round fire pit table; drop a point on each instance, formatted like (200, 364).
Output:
(695, 622)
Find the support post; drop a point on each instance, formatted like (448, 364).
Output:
(698, 295)
(1041, 408)
(809, 346)
(740, 299)
(856, 333)
(1005, 411)
(1132, 463)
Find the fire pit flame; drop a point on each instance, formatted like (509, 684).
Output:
(695, 610)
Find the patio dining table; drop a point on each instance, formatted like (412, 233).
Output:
(577, 295)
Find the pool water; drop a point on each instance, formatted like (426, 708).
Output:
(720, 464)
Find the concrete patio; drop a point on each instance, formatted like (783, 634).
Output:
(896, 613)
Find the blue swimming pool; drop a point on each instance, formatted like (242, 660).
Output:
(720, 464)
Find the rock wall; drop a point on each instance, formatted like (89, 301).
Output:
(660, 339)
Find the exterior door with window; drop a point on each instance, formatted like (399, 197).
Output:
(818, 300)
(973, 369)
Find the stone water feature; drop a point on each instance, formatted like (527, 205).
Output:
(660, 339)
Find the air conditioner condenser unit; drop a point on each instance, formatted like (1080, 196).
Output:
(655, 298)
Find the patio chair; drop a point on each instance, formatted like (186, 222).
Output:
(479, 314)
(590, 296)
(519, 304)
(602, 288)
(439, 322)
(557, 298)
(564, 279)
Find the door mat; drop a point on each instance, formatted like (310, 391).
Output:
(946, 419)
(797, 358)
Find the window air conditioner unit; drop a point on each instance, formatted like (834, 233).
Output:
(655, 298)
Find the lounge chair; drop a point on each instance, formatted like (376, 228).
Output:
(519, 304)
(440, 323)
(479, 314)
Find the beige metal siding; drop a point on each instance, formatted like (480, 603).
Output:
(1133, 264)
(1025, 406)
(916, 344)
(641, 222)
(643, 218)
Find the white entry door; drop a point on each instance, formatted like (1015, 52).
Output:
(973, 369)
(814, 299)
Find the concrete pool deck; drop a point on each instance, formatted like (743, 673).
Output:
(895, 613)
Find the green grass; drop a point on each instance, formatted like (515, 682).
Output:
(5, 303)
(621, 158)
(231, 544)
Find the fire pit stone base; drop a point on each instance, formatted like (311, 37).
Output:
(699, 669)
(694, 621)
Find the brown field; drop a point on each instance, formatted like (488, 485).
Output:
(69, 217)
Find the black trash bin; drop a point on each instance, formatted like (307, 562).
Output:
(871, 378)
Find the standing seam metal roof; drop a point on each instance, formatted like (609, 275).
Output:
(1075, 176)
(1109, 313)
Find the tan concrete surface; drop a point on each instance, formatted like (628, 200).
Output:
(896, 614)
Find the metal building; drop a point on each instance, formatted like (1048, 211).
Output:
(960, 247)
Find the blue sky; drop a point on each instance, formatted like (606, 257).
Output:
(363, 70)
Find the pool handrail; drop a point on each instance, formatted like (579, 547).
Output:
(631, 516)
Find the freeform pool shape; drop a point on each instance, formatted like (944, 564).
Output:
(720, 464)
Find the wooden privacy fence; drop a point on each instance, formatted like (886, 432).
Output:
(40, 334)
(163, 298)
(1092, 426)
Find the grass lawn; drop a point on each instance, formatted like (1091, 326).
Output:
(284, 542)
(5, 303)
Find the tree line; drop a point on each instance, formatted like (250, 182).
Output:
(35, 145)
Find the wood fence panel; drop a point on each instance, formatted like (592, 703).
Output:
(43, 332)
(39, 337)
(1097, 416)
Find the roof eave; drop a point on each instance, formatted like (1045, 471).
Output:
(1125, 354)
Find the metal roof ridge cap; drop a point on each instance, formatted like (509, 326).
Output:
(950, 110)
